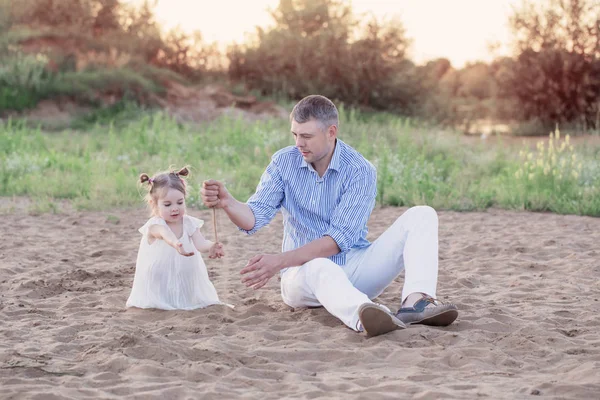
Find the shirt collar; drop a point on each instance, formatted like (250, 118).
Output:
(334, 163)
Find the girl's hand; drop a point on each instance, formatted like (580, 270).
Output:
(216, 251)
(179, 247)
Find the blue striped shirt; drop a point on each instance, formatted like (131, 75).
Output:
(338, 204)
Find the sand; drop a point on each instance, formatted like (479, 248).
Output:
(527, 285)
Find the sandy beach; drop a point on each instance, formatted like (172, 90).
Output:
(527, 286)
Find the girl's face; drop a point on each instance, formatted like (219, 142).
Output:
(171, 206)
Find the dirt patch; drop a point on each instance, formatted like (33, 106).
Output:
(184, 103)
(199, 104)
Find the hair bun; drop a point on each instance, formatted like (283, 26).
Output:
(144, 178)
(182, 172)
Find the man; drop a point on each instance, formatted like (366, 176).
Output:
(326, 191)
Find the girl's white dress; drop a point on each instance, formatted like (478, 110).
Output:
(167, 280)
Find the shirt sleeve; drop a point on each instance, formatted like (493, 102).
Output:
(267, 199)
(352, 213)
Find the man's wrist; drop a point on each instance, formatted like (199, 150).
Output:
(226, 205)
(283, 260)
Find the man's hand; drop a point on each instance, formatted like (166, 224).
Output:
(216, 251)
(260, 269)
(214, 194)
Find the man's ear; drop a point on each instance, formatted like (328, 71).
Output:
(332, 131)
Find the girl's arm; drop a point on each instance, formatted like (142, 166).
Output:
(204, 245)
(164, 233)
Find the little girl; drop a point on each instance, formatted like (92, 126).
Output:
(169, 274)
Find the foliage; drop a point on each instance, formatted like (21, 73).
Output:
(555, 77)
(98, 167)
(318, 46)
(89, 49)
(548, 174)
(65, 47)
(23, 80)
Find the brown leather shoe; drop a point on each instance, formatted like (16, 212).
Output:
(376, 320)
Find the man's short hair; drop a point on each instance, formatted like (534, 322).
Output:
(315, 107)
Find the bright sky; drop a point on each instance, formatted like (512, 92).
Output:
(459, 30)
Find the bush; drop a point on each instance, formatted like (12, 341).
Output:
(23, 80)
(88, 85)
(319, 47)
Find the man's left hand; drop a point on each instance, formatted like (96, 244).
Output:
(260, 269)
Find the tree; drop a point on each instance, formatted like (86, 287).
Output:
(555, 78)
(107, 17)
(318, 46)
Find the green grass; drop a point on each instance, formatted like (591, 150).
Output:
(98, 168)
(90, 82)
(25, 80)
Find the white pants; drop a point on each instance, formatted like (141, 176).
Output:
(411, 243)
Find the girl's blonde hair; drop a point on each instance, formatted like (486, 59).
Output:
(160, 183)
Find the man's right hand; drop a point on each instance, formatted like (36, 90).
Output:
(214, 194)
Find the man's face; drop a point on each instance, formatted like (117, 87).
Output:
(313, 139)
